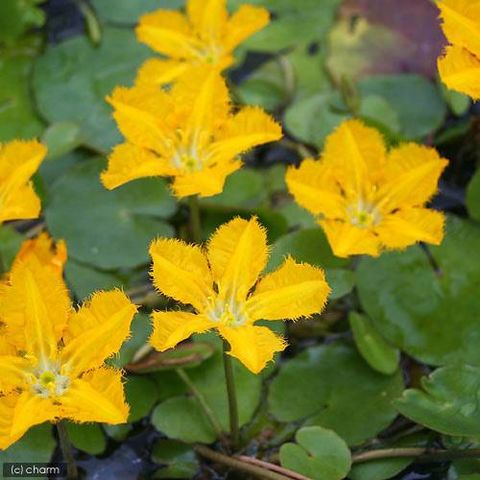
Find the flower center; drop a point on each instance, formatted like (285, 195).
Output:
(229, 313)
(47, 381)
(363, 214)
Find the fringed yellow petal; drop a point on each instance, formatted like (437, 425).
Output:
(208, 18)
(158, 72)
(167, 32)
(246, 21)
(140, 113)
(408, 226)
(294, 290)
(253, 346)
(44, 250)
(356, 153)
(19, 160)
(461, 23)
(460, 70)
(7, 409)
(314, 187)
(12, 372)
(30, 410)
(129, 162)
(97, 331)
(210, 99)
(248, 128)
(34, 307)
(411, 177)
(181, 271)
(97, 397)
(237, 253)
(346, 239)
(171, 328)
(206, 182)
(21, 203)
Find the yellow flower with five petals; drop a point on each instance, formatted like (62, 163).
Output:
(459, 67)
(51, 356)
(189, 133)
(366, 199)
(206, 35)
(223, 283)
(19, 160)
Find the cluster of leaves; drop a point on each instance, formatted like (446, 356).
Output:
(391, 321)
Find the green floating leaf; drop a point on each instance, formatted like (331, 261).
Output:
(10, 242)
(302, 21)
(376, 111)
(459, 103)
(61, 138)
(179, 459)
(17, 112)
(428, 314)
(108, 229)
(449, 401)
(16, 17)
(374, 349)
(141, 394)
(335, 389)
(244, 188)
(186, 355)
(88, 437)
(311, 246)
(473, 197)
(264, 87)
(320, 454)
(37, 445)
(84, 279)
(140, 332)
(416, 101)
(83, 74)
(181, 417)
(127, 12)
(311, 119)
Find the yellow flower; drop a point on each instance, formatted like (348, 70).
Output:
(189, 133)
(206, 35)
(43, 250)
(51, 356)
(367, 199)
(19, 160)
(459, 67)
(218, 283)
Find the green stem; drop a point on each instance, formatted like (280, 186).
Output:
(232, 396)
(237, 464)
(201, 400)
(195, 222)
(420, 454)
(67, 451)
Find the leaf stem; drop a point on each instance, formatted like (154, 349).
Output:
(202, 402)
(421, 454)
(232, 395)
(238, 464)
(195, 221)
(67, 450)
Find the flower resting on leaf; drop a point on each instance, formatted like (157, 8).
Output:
(51, 356)
(366, 199)
(19, 160)
(459, 67)
(206, 35)
(218, 283)
(189, 133)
